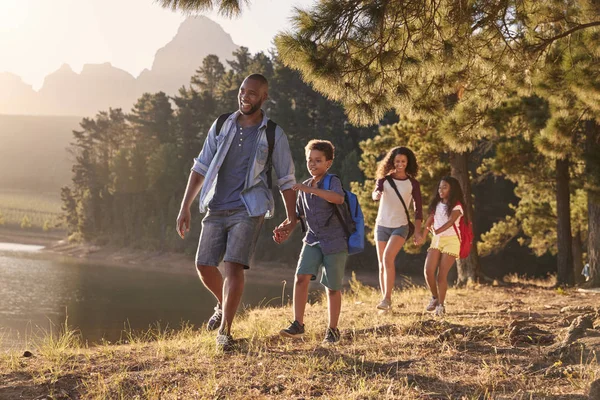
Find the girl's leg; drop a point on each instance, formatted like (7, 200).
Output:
(334, 306)
(380, 248)
(446, 263)
(300, 296)
(389, 257)
(431, 263)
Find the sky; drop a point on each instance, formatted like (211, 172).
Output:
(38, 36)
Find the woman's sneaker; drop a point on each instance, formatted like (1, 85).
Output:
(332, 335)
(295, 330)
(440, 310)
(214, 322)
(432, 304)
(384, 305)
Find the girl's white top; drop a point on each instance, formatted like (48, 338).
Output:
(441, 217)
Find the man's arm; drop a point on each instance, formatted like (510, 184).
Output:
(184, 218)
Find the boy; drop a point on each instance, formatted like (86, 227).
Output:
(325, 242)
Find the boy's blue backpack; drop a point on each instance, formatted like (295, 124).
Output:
(351, 216)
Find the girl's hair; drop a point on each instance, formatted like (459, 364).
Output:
(322, 145)
(387, 164)
(456, 196)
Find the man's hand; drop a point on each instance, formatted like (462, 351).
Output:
(283, 231)
(183, 222)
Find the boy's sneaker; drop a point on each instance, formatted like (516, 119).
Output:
(440, 310)
(432, 304)
(214, 322)
(295, 330)
(384, 305)
(225, 342)
(332, 336)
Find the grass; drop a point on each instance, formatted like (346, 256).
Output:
(41, 210)
(473, 353)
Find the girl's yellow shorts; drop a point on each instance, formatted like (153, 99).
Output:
(446, 245)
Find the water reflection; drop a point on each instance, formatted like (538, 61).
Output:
(101, 300)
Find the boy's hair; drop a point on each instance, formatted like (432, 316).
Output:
(456, 196)
(322, 145)
(387, 164)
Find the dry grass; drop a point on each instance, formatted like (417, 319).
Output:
(495, 343)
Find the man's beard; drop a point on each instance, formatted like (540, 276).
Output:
(253, 109)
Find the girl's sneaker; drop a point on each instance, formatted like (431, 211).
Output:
(384, 305)
(440, 310)
(432, 304)
(295, 330)
(332, 335)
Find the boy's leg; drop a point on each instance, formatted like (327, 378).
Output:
(301, 296)
(233, 288)
(446, 263)
(389, 258)
(431, 262)
(334, 306)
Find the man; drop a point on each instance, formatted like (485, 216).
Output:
(231, 175)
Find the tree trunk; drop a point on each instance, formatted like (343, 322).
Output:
(577, 257)
(563, 228)
(592, 150)
(468, 269)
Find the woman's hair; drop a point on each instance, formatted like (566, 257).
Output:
(387, 164)
(456, 196)
(322, 145)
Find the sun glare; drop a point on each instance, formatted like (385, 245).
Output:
(12, 14)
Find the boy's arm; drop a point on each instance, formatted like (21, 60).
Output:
(328, 195)
(453, 217)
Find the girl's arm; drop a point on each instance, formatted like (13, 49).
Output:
(453, 217)
(428, 224)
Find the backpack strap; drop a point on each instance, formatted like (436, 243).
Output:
(220, 121)
(271, 126)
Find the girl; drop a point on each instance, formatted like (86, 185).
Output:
(395, 177)
(445, 211)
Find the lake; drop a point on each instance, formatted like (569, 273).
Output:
(37, 293)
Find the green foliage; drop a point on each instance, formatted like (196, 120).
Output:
(25, 222)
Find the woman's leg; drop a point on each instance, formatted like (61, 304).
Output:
(431, 263)
(380, 248)
(446, 263)
(389, 257)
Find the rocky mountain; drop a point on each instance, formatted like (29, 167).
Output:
(100, 86)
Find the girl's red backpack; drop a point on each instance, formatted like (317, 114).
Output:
(465, 235)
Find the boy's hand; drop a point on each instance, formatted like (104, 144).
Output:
(302, 187)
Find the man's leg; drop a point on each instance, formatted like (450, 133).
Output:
(233, 288)
(212, 279)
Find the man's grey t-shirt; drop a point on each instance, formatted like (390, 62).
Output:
(234, 169)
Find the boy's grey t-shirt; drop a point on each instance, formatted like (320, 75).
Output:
(323, 227)
(233, 171)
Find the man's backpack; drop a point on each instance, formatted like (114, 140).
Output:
(351, 216)
(270, 140)
(465, 235)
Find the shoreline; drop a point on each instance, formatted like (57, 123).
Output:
(57, 247)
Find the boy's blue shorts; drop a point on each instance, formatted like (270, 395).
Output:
(311, 260)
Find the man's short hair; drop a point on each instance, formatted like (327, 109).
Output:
(259, 77)
(321, 145)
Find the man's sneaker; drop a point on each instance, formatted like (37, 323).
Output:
(295, 330)
(440, 310)
(432, 304)
(384, 305)
(214, 321)
(332, 335)
(225, 342)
